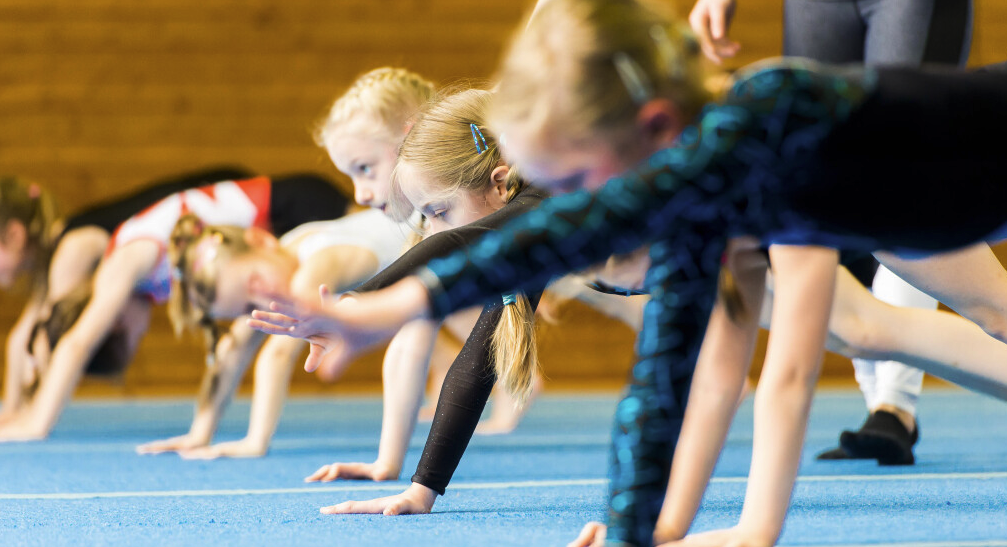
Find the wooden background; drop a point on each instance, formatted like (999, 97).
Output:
(97, 96)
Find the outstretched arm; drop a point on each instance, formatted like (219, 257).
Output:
(113, 286)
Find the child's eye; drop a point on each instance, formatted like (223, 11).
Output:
(439, 214)
(365, 170)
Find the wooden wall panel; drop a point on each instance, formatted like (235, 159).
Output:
(98, 96)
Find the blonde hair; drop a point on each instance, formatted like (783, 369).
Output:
(34, 208)
(441, 145)
(389, 96)
(194, 279)
(583, 67)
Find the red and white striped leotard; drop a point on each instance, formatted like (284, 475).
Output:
(242, 203)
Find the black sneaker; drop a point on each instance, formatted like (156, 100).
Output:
(883, 438)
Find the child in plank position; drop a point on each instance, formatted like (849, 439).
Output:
(778, 162)
(135, 273)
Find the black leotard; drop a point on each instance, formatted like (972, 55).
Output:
(470, 380)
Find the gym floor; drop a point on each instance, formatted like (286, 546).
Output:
(537, 486)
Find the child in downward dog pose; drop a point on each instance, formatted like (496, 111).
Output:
(134, 273)
(218, 267)
(780, 161)
(60, 254)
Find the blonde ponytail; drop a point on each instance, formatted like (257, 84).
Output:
(515, 349)
(194, 283)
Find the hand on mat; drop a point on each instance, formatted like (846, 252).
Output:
(710, 20)
(243, 448)
(21, 428)
(730, 537)
(174, 444)
(345, 329)
(376, 471)
(416, 500)
(592, 535)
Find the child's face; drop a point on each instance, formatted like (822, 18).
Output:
(561, 169)
(240, 281)
(368, 159)
(12, 247)
(446, 212)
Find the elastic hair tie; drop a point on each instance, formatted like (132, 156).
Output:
(479, 139)
(509, 298)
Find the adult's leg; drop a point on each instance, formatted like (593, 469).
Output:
(912, 32)
(831, 32)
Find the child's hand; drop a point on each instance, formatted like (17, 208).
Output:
(731, 537)
(416, 500)
(345, 329)
(243, 448)
(21, 428)
(174, 444)
(592, 535)
(376, 471)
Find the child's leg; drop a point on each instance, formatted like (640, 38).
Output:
(970, 281)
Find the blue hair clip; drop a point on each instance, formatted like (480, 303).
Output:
(509, 298)
(479, 139)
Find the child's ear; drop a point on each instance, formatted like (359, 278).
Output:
(498, 183)
(257, 237)
(659, 122)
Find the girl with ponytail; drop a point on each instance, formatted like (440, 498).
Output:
(219, 268)
(132, 271)
(58, 255)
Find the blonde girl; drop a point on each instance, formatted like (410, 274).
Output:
(59, 254)
(463, 189)
(134, 273)
(218, 268)
(780, 162)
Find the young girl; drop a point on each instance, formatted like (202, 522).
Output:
(217, 267)
(779, 162)
(134, 273)
(873, 33)
(464, 190)
(60, 255)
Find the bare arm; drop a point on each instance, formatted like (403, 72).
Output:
(721, 369)
(235, 352)
(75, 258)
(18, 359)
(113, 286)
